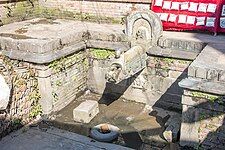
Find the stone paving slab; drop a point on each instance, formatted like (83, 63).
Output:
(52, 139)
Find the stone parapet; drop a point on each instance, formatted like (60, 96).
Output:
(203, 85)
(43, 41)
(173, 53)
(203, 100)
(209, 65)
(181, 44)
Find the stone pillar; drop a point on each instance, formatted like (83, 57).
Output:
(189, 126)
(202, 120)
(45, 89)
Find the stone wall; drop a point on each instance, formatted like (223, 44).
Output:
(67, 72)
(203, 120)
(164, 74)
(203, 100)
(156, 85)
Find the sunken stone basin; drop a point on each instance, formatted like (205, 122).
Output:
(60, 54)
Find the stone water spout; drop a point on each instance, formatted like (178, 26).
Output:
(143, 30)
(126, 64)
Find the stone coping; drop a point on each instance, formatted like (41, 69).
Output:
(217, 88)
(173, 53)
(44, 58)
(207, 72)
(41, 40)
(210, 63)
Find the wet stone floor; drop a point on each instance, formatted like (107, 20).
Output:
(138, 129)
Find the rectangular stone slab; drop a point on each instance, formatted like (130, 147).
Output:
(86, 111)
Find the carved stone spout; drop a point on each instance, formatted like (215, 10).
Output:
(126, 64)
(113, 74)
(143, 29)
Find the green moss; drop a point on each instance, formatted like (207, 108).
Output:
(204, 95)
(24, 10)
(35, 97)
(74, 78)
(62, 63)
(169, 60)
(101, 53)
(211, 126)
(184, 61)
(172, 60)
(16, 123)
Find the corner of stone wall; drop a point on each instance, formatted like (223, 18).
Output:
(202, 120)
(45, 88)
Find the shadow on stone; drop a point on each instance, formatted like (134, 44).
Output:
(113, 92)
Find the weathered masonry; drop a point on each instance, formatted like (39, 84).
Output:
(113, 11)
(54, 63)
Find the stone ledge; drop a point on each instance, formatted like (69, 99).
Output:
(167, 52)
(203, 86)
(46, 57)
(209, 64)
(107, 45)
(181, 44)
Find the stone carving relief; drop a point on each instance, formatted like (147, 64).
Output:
(143, 27)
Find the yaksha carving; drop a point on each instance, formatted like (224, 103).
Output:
(143, 27)
(141, 34)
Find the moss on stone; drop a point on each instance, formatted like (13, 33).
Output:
(29, 9)
(204, 95)
(100, 54)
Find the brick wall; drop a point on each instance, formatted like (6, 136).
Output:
(99, 8)
(70, 9)
(23, 105)
(203, 124)
(16, 10)
(69, 72)
(68, 80)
